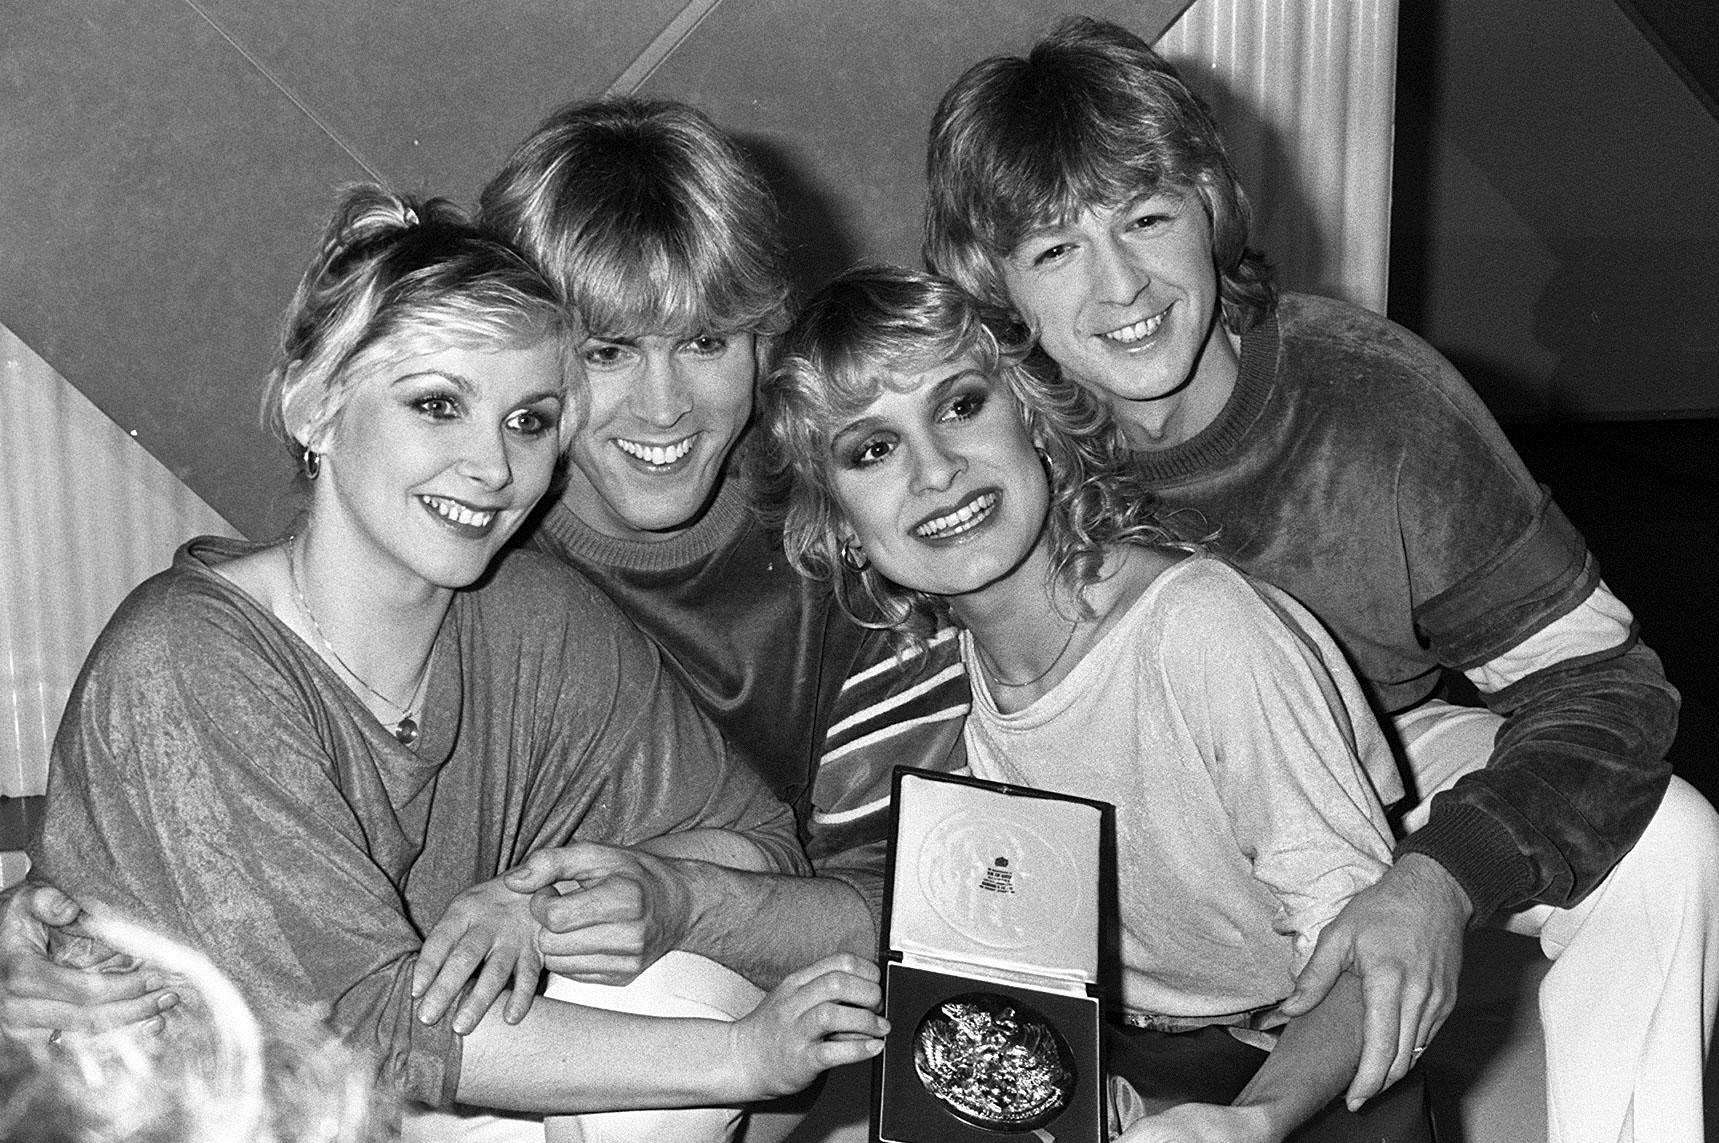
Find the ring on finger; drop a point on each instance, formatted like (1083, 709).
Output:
(1415, 1052)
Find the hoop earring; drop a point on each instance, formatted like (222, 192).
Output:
(311, 462)
(854, 556)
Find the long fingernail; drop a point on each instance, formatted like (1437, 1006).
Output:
(167, 1000)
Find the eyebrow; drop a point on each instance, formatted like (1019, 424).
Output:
(458, 380)
(467, 386)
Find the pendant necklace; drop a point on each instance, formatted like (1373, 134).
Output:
(406, 730)
(998, 680)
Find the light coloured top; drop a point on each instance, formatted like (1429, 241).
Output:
(1221, 721)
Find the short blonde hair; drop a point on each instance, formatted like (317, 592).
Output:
(647, 217)
(395, 276)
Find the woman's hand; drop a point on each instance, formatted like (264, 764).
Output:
(56, 978)
(489, 925)
(818, 1018)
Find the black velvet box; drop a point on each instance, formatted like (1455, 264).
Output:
(990, 975)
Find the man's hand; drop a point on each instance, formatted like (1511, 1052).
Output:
(56, 978)
(1403, 938)
(607, 913)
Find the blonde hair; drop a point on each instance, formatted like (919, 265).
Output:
(216, 1076)
(647, 217)
(859, 334)
(395, 276)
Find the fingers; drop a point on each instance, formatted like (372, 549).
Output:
(48, 905)
(608, 901)
(1320, 973)
(846, 963)
(576, 862)
(1387, 1033)
(467, 952)
(528, 970)
(497, 970)
(431, 955)
(34, 1019)
(834, 1053)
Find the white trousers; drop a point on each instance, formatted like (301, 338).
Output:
(1628, 1005)
(679, 984)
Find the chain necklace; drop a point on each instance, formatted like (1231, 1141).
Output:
(998, 680)
(406, 730)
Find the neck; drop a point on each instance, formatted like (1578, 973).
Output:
(381, 623)
(1165, 422)
(1025, 627)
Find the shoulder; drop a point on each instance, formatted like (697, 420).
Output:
(1203, 613)
(1371, 365)
(182, 612)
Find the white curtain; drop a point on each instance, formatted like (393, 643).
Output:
(1305, 90)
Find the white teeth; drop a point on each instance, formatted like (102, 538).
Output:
(459, 513)
(962, 519)
(655, 455)
(1138, 331)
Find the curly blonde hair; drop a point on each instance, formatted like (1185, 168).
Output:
(860, 334)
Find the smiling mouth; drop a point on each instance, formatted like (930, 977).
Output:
(656, 456)
(1137, 331)
(964, 519)
(476, 521)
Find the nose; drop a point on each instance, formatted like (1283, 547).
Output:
(485, 460)
(662, 396)
(1118, 275)
(935, 465)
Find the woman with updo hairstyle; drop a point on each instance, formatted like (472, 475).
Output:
(298, 756)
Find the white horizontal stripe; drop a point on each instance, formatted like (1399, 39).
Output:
(1599, 624)
(896, 661)
(838, 817)
(895, 728)
(952, 671)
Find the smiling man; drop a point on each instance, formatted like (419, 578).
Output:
(1343, 459)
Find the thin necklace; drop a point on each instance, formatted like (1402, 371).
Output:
(406, 730)
(999, 680)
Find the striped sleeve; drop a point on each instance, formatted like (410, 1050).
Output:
(895, 709)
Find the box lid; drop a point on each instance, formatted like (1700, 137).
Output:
(1002, 877)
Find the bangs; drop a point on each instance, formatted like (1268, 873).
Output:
(649, 283)
(1072, 163)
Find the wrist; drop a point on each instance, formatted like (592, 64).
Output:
(1433, 880)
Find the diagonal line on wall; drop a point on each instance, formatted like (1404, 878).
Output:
(661, 48)
(292, 96)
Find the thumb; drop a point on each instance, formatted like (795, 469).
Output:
(547, 866)
(1314, 981)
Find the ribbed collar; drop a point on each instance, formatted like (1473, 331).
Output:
(1209, 446)
(727, 516)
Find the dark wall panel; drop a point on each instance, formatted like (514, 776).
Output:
(1554, 210)
(162, 191)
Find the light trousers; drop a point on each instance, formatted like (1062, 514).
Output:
(1628, 1004)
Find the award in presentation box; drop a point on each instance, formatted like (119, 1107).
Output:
(990, 976)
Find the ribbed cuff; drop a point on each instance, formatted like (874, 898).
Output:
(1479, 853)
